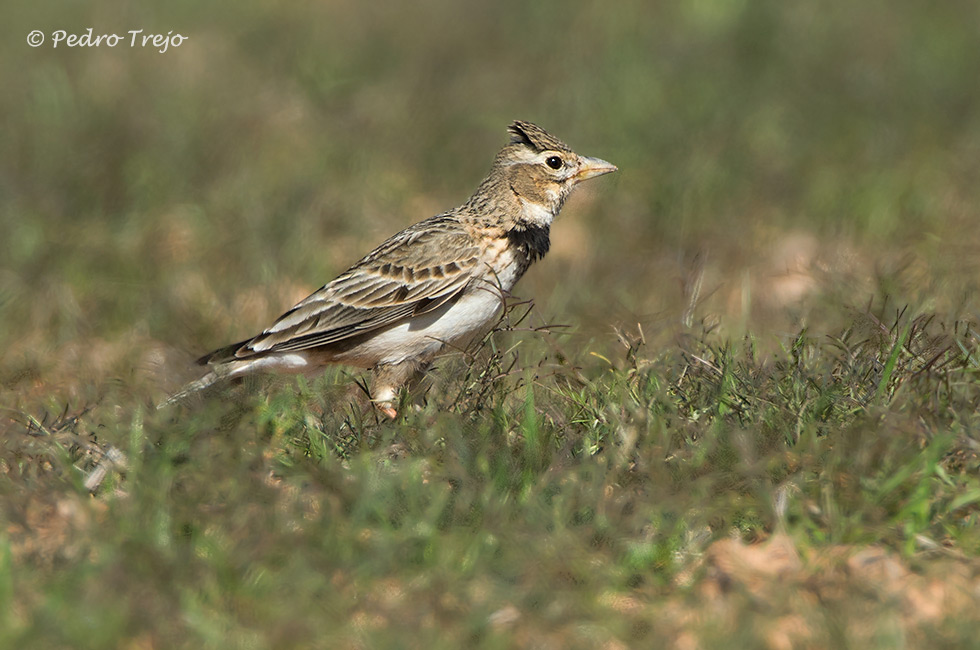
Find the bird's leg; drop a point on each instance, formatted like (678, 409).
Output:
(419, 384)
(389, 379)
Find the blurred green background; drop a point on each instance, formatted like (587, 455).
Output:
(182, 199)
(783, 165)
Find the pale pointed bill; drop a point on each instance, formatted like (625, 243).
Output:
(592, 167)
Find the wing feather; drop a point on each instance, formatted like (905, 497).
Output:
(415, 271)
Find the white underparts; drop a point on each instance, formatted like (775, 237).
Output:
(287, 362)
(455, 325)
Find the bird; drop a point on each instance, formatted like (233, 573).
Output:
(440, 283)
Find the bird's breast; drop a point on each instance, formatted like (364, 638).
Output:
(454, 325)
(503, 264)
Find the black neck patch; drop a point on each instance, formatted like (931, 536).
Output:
(533, 241)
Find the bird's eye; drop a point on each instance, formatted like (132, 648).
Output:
(554, 162)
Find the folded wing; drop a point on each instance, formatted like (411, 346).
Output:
(412, 273)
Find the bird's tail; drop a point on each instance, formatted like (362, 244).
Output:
(191, 388)
(221, 367)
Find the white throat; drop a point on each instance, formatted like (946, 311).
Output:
(537, 214)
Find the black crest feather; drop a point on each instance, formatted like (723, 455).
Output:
(532, 135)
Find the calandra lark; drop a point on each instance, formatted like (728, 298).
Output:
(439, 283)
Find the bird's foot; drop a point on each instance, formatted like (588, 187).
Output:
(388, 410)
(385, 398)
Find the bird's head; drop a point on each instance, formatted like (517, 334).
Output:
(540, 171)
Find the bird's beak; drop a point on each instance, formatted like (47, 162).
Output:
(592, 167)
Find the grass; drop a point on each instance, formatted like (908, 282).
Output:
(547, 507)
(741, 412)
